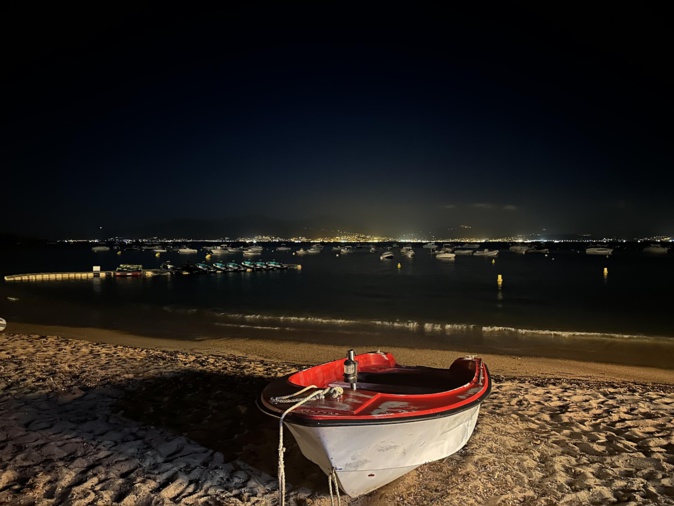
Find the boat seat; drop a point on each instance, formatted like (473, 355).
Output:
(388, 389)
(407, 382)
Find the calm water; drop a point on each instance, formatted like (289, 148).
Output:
(561, 304)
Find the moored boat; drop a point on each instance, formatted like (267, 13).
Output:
(598, 250)
(369, 420)
(446, 255)
(407, 251)
(519, 248)
(386, 255)
(656, 249)
(129, 270)
(486, 253)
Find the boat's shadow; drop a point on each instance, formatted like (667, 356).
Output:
(219, 412)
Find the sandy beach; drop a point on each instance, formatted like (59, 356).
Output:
(92, 417)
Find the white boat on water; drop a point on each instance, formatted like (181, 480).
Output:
(464, 252)
(430, 245)
(367, 421)
(407, 251)
(301, 251)
(520, 249)
(386, 255)
(251, 251)
(283, 247)
(100, 249)
(599, 250)
(187, 251)
(656, 249)
(486, 253)
(446, 255)
(538, 249)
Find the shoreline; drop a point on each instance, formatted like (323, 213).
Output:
(90, 416)
(512, 365)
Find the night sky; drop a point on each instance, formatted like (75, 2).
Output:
(508, 118)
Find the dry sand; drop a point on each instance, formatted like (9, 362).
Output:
(109, 418)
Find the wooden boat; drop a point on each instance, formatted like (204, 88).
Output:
(375, 420)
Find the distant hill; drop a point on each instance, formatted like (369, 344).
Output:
(248, 226)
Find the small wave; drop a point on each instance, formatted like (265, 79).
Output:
(292, 323)
(563, 333)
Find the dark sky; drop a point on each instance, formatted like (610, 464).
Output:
(508, 117)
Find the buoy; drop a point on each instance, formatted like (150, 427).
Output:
(299, 267)
(119, 252)
(499, 280)
(399, 266)
(493, 261)
(208, 257)
(605, 271)
(157, 254)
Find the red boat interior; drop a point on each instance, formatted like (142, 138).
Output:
(379, 372)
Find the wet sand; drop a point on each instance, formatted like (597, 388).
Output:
(102, 417)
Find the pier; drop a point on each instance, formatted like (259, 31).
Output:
(59, 276)
(52, 276)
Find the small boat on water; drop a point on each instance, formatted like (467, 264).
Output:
(169, 267)
(386, 255)
(598, 250)
(128, 270)
(366, 421)
(656, 249)
(519, 248)
(486, 253)
(301, 251)
(407, 251)
(187, 251)
(208, 269)
(100, 249)
(446, 255)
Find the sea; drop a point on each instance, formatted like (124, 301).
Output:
(568, 304)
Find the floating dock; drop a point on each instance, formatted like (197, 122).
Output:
(59, 276)
(51, 276)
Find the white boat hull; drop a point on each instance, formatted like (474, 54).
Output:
(366, 457)
(599, 251)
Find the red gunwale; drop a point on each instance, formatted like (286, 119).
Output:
(367, 404)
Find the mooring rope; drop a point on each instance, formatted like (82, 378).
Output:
(318, 394)
(333, 476)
